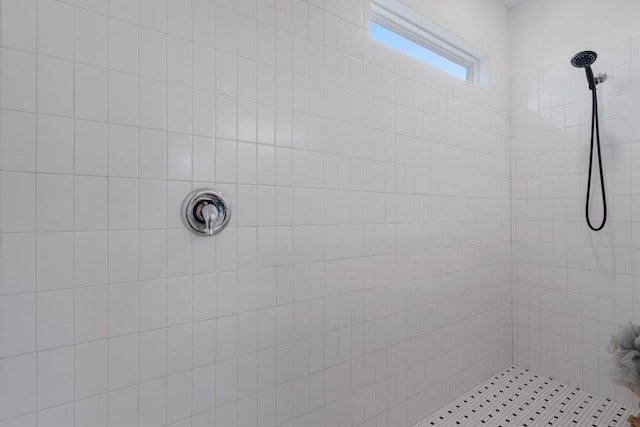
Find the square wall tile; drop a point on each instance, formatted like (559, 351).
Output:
(179, 155)
(90, 37)
(153, 54)
(18, 25)
(55, 29)
(55, 319)
(90, 369)
(203, 113)
(123, 309)
(179, 348)
(17, 386)
(123, 46)
(100, 6)
(91, 410)
(123, 406)
(123, 256)
(17, 80)
(179, 61)
(55, 261)
(55, 144)
(179, 103)
(179, 394)
(123, 98)
(153, 354)
(152, 395)
(91, 313)
(179, 253)
(203, 16)
(152, 205)
(204, 388)
(153, 304)
(17, 201)
(153, 104)
(123, 361)
(55, 193)
(153, 250)
(58, 415)
(55, 86)
(90, 203)
(17, 141)
(18, 324)
(123, 204)
(179, 18)
(204, 59)
(55, 377)
(124, 9)
(90, 92)
(203, 159)
(153, 14)
(90, 258)
(90, 148)
(17, 263)
(179, 300)
(152, 154)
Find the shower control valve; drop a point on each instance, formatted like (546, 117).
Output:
(205, 212)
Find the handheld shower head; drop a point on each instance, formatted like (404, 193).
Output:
(584, 60)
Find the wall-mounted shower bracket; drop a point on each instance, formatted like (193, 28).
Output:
(601, 78)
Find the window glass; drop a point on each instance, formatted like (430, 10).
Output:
(403, 44)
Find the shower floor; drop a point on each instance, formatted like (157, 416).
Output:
(518, 397)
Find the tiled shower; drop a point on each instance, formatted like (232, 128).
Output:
(397, 235)
(570, 284)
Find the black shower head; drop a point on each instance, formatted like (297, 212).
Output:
(584, 60)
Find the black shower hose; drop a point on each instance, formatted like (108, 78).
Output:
(595, 131)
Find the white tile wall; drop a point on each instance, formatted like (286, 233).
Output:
(573, 286)
(364, 278)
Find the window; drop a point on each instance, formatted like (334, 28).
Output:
(396, 25)
(403, 44)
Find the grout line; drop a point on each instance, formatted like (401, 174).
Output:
(35, 225)
(138, 198)
(166, 178)
(108, 338)
(511, 225)
(191, 127)
(73, 204)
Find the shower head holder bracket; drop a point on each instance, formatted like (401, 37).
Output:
(600, 78)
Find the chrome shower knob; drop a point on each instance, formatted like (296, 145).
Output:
(205, 212)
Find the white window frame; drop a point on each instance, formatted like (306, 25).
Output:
(401, 19)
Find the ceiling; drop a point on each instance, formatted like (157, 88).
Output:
(510, 3)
